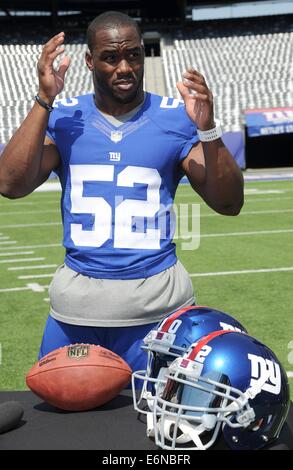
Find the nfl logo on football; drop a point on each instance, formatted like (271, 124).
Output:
(78, 351)
(116, 136)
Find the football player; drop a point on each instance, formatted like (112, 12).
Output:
(120, 153)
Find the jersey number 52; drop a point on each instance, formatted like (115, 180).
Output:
(123, 235)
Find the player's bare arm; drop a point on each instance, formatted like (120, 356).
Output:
(209, 166)
(29, 157)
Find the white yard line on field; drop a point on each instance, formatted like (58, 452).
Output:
(24, 247)
(268, 199)
(39, 266)
(32, 287)
(290, 374)
(4, 238)
(244, 271)
(25, 260)
(8, 243)
(238, 234)
(35, 276)
(19, 253)
(261, 212)
(255, 191)
(31, 225)
(49, 211)
(31, 203)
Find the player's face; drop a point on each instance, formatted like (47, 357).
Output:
(117, 64)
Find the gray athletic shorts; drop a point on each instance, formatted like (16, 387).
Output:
(80, 300)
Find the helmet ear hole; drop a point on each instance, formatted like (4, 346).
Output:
(256, 425)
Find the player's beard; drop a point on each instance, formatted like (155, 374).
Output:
(125, 98)
(120, 97)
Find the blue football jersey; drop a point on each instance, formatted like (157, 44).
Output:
(118, 185)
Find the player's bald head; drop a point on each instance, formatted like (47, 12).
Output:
(109, 20)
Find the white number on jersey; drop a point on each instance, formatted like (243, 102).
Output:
(170, 102)
(101, 210)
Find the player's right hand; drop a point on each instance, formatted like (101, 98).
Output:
(51, 81)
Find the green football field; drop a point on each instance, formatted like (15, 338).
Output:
(243, 265)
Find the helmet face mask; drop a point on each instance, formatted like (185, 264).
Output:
(171, 339)
(217, 388)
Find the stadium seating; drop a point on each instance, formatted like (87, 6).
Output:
(248, 69)
(253, 71)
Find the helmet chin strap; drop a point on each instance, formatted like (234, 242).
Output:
(189, 432)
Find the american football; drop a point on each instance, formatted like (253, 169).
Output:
(79, 377)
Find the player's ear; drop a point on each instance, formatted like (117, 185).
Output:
(89, 60)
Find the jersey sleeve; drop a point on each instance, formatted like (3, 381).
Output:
(187, 146)
(171, 116)
(188, 132)
(50, 132)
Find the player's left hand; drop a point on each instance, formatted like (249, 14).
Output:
(198, 99)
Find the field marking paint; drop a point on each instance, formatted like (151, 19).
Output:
(4, 238)
(19, 253)
(18, 289)
(261, 212)
(46, 224)
(244, 271)
(2, 261)
(268, 199)
(39, 266)
(289, 374)
(8, 243)
(255, 191)
(35, 287)
(47, 201)
(51, 211)
(35, 276)
(50, 245)
(237, 234)
(247, 194)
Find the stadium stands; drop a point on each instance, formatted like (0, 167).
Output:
(253, 71)
(248, 69)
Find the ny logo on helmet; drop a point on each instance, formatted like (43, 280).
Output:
(266, 373)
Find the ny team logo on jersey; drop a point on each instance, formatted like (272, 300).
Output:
(115, 156)
(266, 373)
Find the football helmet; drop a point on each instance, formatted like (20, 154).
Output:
(170, 339)
(229, 383)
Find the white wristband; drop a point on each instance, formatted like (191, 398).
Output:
(210, 134)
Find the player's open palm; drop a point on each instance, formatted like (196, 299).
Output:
(198, 99)
(51, 80)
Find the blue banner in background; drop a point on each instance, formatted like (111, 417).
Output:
(270, 121)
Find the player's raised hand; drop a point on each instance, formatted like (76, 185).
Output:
(198, 99)
(51, 80)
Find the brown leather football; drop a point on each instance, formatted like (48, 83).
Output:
(79, 377)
